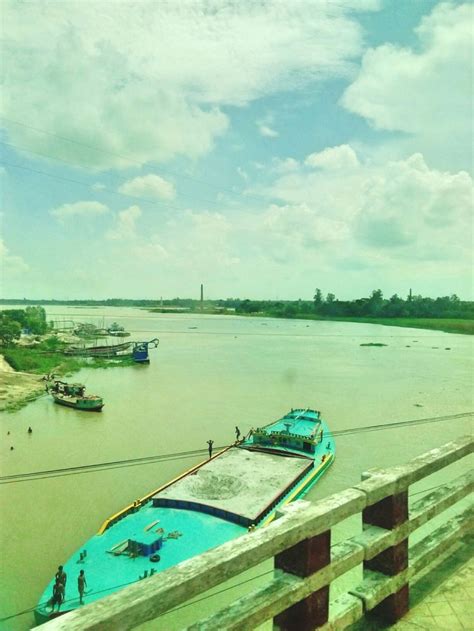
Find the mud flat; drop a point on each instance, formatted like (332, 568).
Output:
(17, 388)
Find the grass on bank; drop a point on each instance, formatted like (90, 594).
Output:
(452, 325)
(448, 325)
(35, 359)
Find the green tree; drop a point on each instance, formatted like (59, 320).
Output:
(10, 330)
(35, 320)
(395, 307)
(375, 303)
(318, 299)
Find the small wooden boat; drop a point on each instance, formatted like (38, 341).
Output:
(117, 331)
(73, 395)
(89, 331)
(109, 350)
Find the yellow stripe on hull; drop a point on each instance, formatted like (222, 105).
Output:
(300, 488)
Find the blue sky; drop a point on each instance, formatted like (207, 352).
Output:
(263, 149)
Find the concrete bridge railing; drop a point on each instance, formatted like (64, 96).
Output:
(297, 596)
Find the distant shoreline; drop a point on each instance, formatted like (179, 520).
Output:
(447, 325)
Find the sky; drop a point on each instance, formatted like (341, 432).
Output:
(262, 148)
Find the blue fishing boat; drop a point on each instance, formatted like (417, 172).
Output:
(140, 350)
(240, 488)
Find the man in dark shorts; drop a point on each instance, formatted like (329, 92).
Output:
(58, 595)
(61, 576)
(81, 585)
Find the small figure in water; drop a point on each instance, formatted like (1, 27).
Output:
(30, 431)
(210, 443)
(81, 585)
(237, 433)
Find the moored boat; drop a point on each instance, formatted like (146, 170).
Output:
(108, 350)
(117, 331)
(73, 395)
(240, 488)
(140, 350)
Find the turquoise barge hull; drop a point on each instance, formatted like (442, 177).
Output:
(240, 488)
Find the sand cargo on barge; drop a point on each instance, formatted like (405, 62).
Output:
(238, 489)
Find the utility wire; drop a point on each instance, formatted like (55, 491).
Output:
(102, 466)
(120, 586)
(117, 155)
(376, 428)
(104, 188)
(118, 464)
(73, 181)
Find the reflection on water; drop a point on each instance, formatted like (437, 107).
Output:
(209, 374)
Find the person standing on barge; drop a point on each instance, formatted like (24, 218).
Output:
(81, 585)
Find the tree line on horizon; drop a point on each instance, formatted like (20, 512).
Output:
(373, 306)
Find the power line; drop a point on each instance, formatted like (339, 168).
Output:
(376, 428)
(73, 181)
(100, 466)
(120, 586)
(131, 462)
(104, 188)
(117, 155)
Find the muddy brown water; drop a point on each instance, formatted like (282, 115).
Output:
(209, 374)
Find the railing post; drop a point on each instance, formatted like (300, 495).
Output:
(389, 513)
(303, 559)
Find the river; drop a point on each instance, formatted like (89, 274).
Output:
(209, 374)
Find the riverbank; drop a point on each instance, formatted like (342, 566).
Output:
(23, 368)
(451, 325)
(447, 325)
(18, 388)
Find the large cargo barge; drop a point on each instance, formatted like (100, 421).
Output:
(240, 488)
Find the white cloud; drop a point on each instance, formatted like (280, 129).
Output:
(86, 208)
(125, 224)
(243, 174)
(151, 251)
(397, 213)
(380, 224)
(266, 126)
(150, 186)
(426, 92)
(9, 263)
(291, 232)
(341, 157)
(266, 131)
(409, 204)
(287, 165)
(148, 81)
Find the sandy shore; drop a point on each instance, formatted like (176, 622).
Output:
(17, 387)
